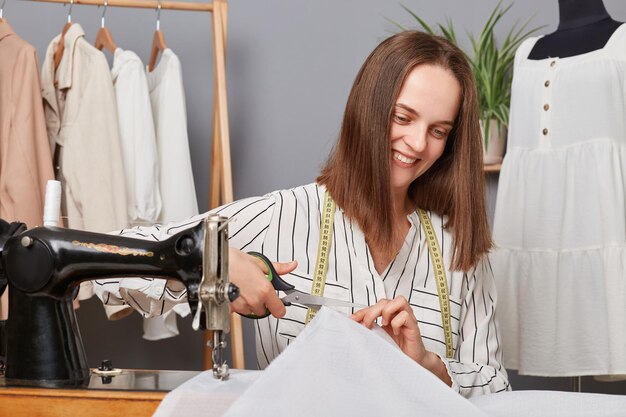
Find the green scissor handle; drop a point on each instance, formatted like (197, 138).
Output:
(274, 278)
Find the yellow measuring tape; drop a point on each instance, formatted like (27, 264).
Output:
(440, 276)
(323, 249)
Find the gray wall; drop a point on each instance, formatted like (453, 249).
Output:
(290, 66)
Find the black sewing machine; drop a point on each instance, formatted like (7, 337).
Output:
(44, 266)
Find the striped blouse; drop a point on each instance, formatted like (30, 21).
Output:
(285, 225)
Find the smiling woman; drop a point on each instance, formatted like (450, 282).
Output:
(435, 74)
(409, 236)
(423, 116)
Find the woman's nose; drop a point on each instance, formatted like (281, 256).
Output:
(416, 139)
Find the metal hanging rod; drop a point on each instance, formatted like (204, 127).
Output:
(140, 4)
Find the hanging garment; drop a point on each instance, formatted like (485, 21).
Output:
(81, 118)
(560, 220)
(285, 226)
(178, 193)
(139, 149)
(25, 161)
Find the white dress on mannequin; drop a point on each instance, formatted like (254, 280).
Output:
(560, 221)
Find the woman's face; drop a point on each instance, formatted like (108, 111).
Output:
(422, 119)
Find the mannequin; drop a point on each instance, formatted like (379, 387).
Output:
(584, 26)
(564, 164)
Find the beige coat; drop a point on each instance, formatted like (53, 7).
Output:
(81, 117)
(25, 161)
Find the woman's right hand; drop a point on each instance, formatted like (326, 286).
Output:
(256, 293)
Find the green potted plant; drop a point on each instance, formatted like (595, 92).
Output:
(492, 66)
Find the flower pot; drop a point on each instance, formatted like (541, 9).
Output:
(495, 144)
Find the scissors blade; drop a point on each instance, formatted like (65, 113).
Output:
(315, 301)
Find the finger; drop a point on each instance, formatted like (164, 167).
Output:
(401, 321)
(283, 268)
(392, 308)
(240, 306)
(275, 305)
(261, 264)
(257, 308)
(264, 297)
(359, 314)
(389, 331)
(372, 313)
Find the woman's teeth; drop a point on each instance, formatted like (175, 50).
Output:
(403, 158)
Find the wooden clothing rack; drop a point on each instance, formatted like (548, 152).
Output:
(221, 191)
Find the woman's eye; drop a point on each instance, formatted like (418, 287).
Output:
(400, 118)
(439, 133)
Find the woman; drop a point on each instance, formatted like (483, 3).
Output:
(410, 139)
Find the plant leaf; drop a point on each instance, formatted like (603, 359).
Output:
(492, 65)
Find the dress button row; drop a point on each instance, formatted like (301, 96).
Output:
(546, 106)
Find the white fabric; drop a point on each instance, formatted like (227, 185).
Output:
(551, 404)
(149, 296)
(178, 193)
(560, 220)
(139, 149)
(336, 367)
(205, 396)
(285, 225)
(160, 327)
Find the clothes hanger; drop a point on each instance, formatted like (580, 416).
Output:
(58, 52)
(2, 20)
(158, 41)
(104, 38)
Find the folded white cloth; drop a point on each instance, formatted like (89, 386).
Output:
(337, 367)
(205, 396)
(551, 404)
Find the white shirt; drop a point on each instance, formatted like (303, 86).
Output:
(285, 225)
(560, 218)
(178, 193)
(138, 138)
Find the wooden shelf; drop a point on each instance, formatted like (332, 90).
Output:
(492, 168)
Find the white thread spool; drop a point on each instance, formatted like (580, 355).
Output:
(52, 206)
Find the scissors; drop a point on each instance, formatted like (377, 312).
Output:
(295, 296)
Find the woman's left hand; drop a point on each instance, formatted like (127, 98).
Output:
(399, 321)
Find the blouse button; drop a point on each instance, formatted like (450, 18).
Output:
(546, 107)
(553, 63)
(547, 83)
(545, 131)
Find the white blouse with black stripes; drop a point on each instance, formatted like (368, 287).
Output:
(285, 225)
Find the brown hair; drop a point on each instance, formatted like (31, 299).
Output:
(357, 173)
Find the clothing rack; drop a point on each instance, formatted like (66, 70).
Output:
(221, 191)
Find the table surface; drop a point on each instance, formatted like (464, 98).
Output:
(132, 392)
